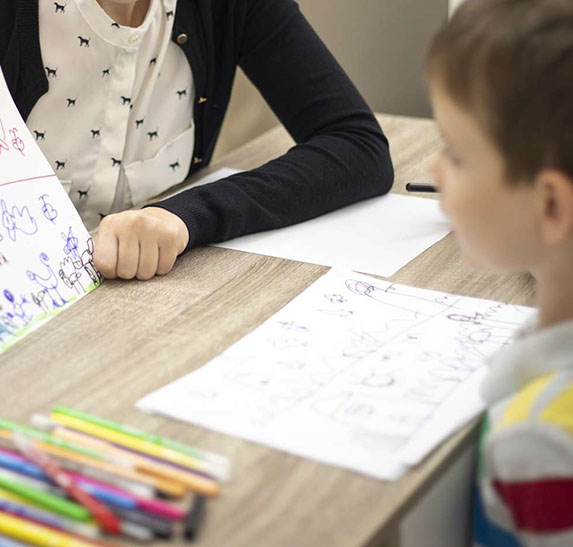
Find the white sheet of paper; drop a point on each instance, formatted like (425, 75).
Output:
(45, 250)
(379, 235)
(355, 372)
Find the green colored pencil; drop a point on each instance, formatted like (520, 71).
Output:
(48, 501)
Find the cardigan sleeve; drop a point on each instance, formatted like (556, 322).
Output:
(6, 28)
(341, 155)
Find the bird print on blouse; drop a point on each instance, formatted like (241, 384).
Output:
(148, 147)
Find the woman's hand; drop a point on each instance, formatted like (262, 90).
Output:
(139, 244)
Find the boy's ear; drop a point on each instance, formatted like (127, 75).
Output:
(556, 205)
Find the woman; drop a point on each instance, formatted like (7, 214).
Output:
(126, 98)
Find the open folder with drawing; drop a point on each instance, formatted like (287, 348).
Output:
(45, 250)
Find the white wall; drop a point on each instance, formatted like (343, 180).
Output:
(380, 43)
(453, 4)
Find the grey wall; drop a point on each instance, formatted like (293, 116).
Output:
(380, 43)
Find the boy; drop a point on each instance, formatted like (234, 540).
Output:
(126, 99)
(501, 83)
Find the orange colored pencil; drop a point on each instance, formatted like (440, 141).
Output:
(198, 483)
(170, 487)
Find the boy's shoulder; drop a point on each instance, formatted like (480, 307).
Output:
(531, 430)
(525, 472)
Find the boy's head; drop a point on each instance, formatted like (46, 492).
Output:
(500, 75)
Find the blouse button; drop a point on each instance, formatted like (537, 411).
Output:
(202, 100)
(197, 160)
(182, 38)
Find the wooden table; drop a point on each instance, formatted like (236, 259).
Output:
(128, 338)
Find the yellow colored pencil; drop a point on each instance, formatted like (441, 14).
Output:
(36, 534)
(133, 443)
(171, 487)
(197, 483)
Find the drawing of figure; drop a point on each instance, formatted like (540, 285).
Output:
(17, 307)
(335, 298)
(71, 246)
(47, 209)
(8, 320)
(86, 261)
(70, 275)
(17, 220)
(17, 142)
(39, 299)
(412, 304)
(49, 283)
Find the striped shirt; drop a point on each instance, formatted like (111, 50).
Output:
(524, 486)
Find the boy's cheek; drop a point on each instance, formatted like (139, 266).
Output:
(443, 204)
(434, 168)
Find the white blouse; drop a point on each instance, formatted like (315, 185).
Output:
(117, 121)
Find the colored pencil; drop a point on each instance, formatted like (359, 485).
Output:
(107, 493)
(77, 462)
(46, 438)
(16, 462)
(46, 500)
(217, 459)
(198, 483)
(36, 534)
(127, 441)
(104, 516)
(47, 518)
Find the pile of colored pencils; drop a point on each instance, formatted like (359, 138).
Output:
(76, 479)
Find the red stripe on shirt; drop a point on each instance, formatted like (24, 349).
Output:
(539, 506)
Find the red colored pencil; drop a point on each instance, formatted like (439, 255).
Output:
(104, 516)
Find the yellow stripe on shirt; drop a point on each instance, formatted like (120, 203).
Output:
(519, 407)
(560, 410)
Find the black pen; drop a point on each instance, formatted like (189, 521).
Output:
(195, 517)
(160, 527)
(420, 187)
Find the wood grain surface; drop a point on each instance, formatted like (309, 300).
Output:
(128, 338)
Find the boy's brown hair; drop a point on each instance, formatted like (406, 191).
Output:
(510, 63)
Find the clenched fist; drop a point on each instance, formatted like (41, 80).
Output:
(139, 244)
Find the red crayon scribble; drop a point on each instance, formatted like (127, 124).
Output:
(17, 142)
(27, 180)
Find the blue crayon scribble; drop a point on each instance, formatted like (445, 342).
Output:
(71, 246)
(48, 209)
(16, 219)
(49, 283)
(5, 330)
(18, 311)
